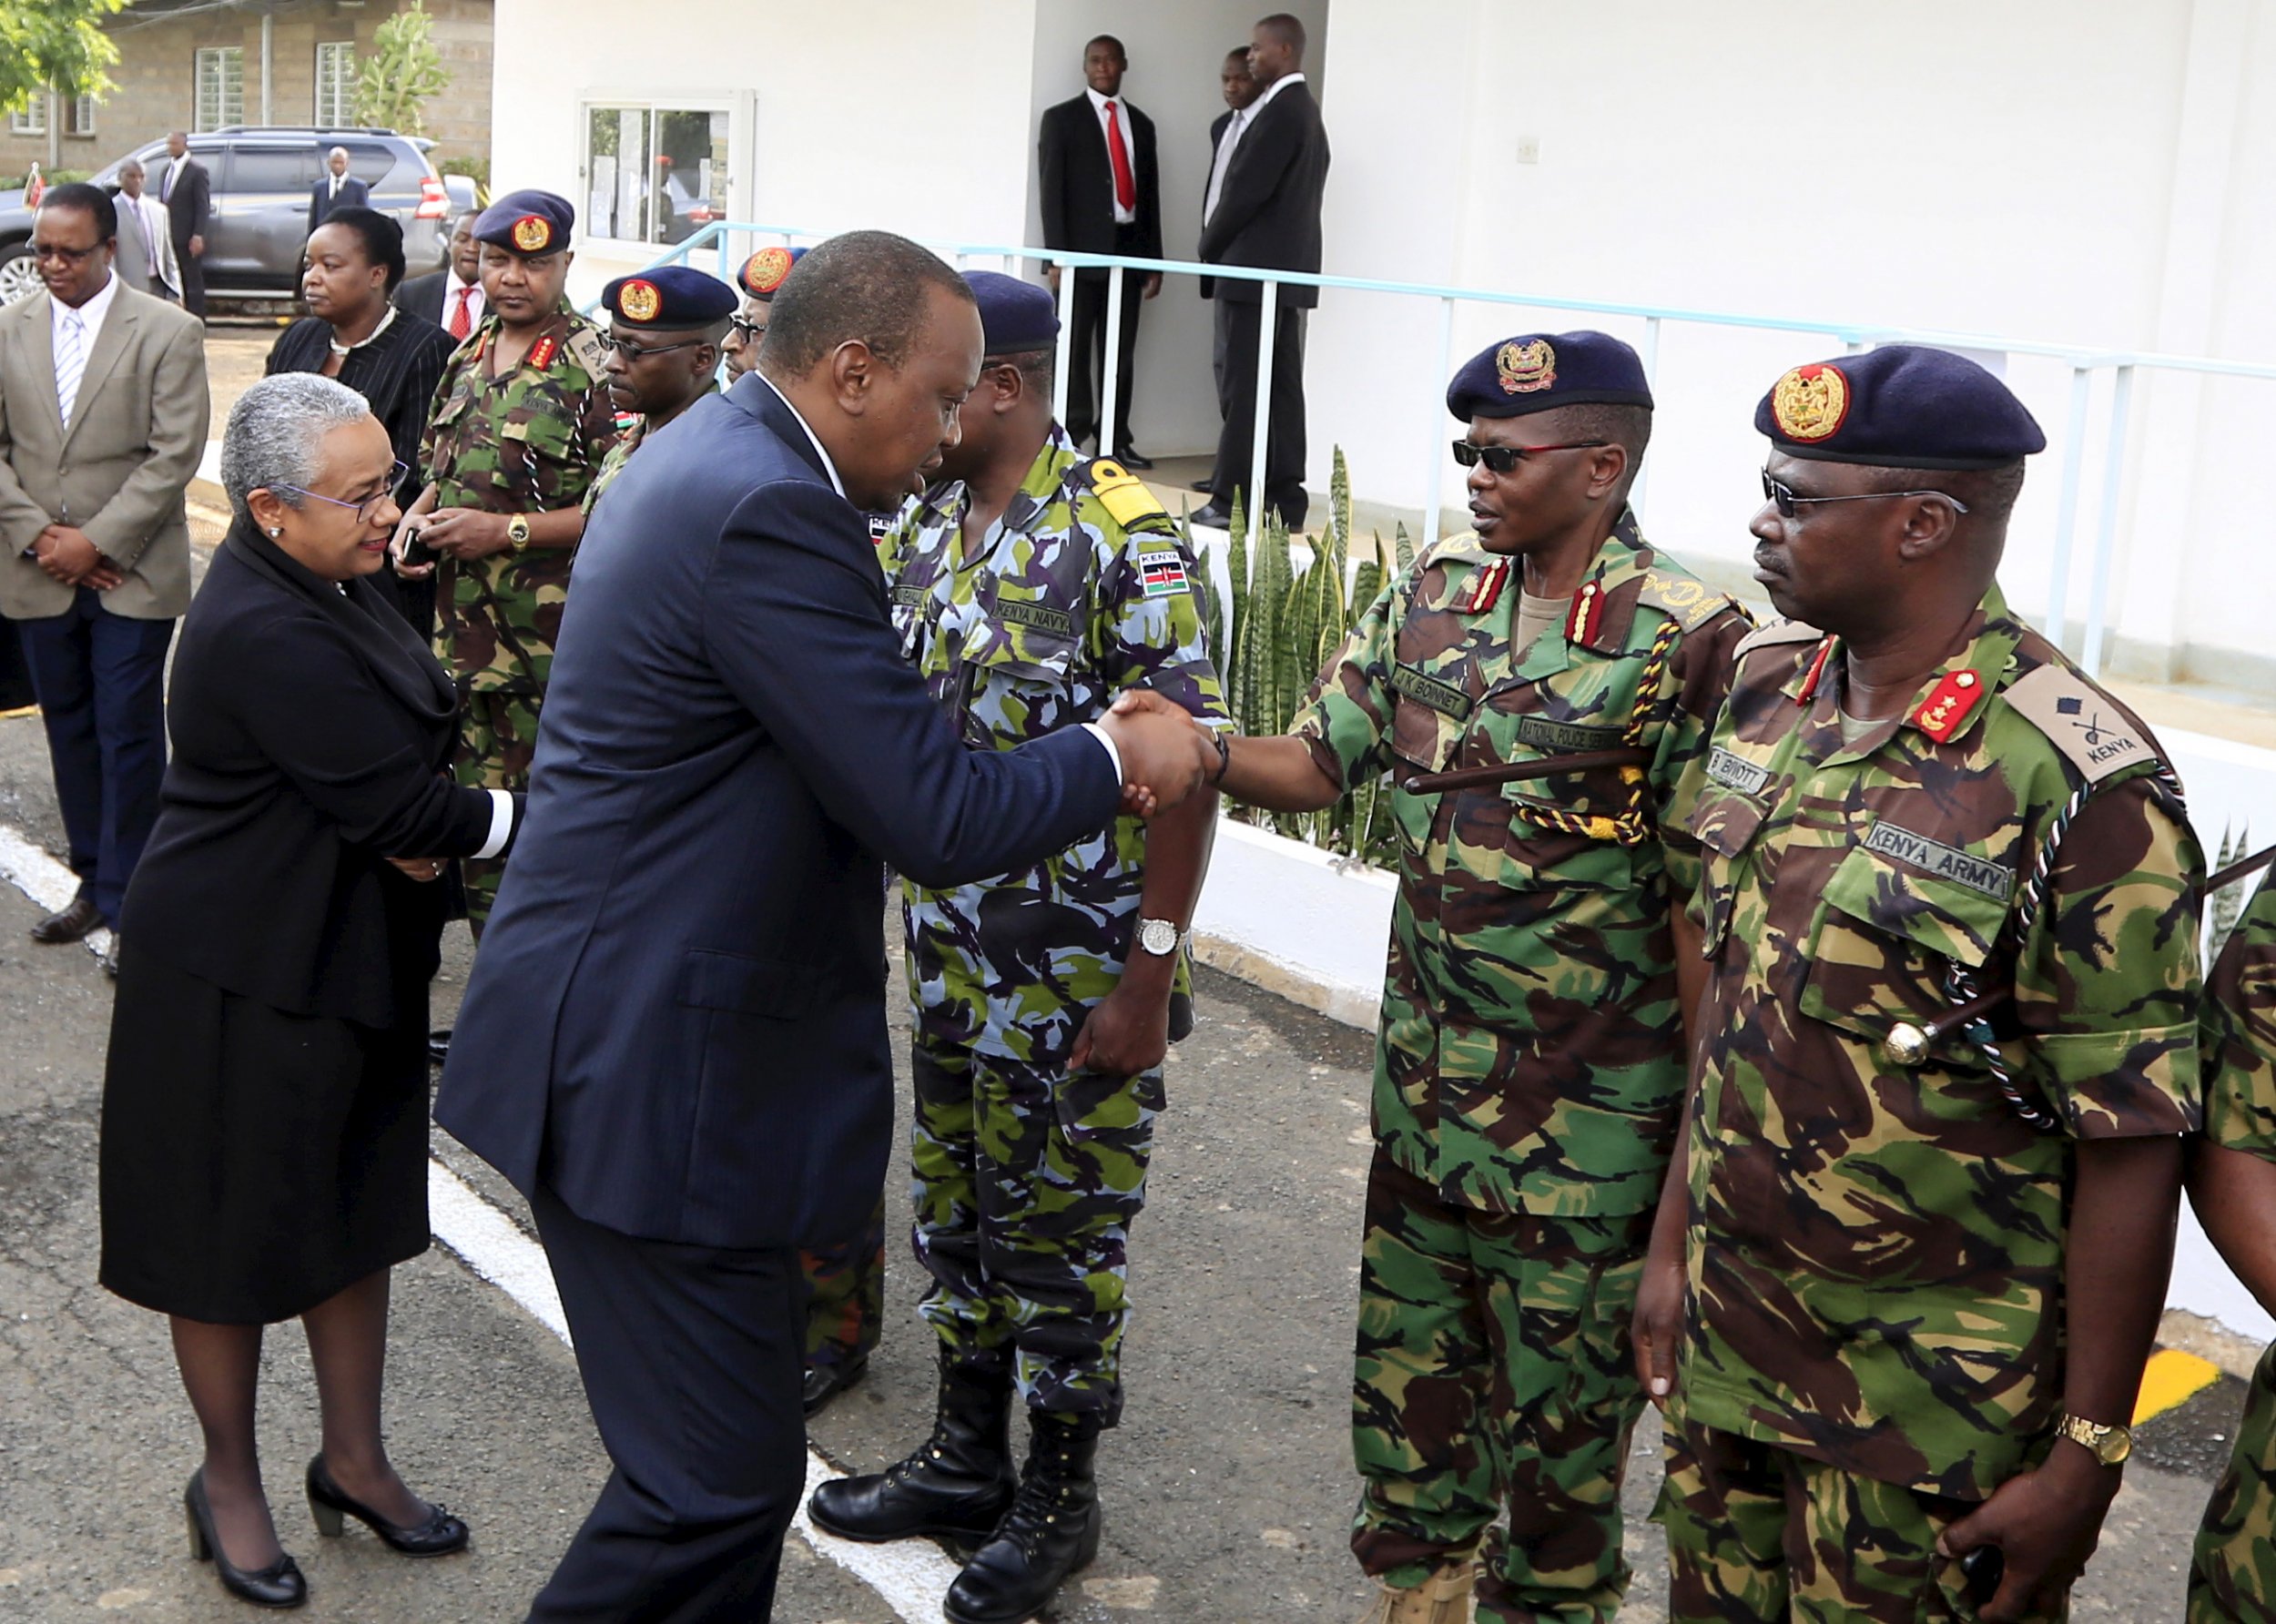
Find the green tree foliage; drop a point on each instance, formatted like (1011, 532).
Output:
(53, 44)
(402, 74)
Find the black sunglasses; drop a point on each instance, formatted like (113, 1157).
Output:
(1501, 458)
(748, 330)
(1779, 495)
(634, 352)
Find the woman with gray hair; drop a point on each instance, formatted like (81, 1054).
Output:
(265, 1106)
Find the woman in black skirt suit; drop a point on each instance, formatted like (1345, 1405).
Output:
(265, 1107)
(390, 357)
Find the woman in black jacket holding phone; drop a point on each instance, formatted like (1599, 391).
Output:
(265, 1107)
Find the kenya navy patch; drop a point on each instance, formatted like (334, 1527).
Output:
(1940, 861)
(1041, 617)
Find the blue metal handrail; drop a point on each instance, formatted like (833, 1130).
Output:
(2084, 361)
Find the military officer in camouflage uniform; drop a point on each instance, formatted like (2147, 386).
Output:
(1883, 1384)
(665, 330)
(760, 277)
(520, 426)
(1529, 1059)
(1029, 587)
(2232, 1185)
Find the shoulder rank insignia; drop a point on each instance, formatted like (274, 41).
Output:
(542, 353)
(1526, 369)
(1817, 670)
(1777, 631)
(1586, 614)
(2080, 720)
(1484, 588)
(1122, 493)
(1810, 403)
(1949, 705)
(585, 349)
(1688, 603)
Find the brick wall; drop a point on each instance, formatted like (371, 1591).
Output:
(157, 77)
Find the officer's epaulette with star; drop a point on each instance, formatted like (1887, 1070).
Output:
(2096, 733)
(1777, 631)
(1690, 604)
(585, 349)
(1124, 496)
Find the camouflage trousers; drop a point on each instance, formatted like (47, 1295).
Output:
(845, 1297)
(1493, 1374)
(497, 735)
(2232, 1573)
(1026, 1181)
(1757, 1533)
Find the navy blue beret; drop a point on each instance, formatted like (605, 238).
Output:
(1014, 315)
(1540, 372)
(527, 222)
(762, 273)
(1900, 406)
(669, 297)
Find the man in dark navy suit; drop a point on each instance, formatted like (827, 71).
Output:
(675, 1039)
(338, 190)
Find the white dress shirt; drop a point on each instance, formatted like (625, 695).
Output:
(1225, 144)
(1122, 217)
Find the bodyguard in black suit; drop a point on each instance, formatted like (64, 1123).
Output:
(1102, 194)
(339, 189)
(1267, 215)
(674, 1042)
(186, 190)
(1239, 89)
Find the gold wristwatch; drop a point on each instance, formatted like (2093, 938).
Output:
(2109, 1443)
(518, 532)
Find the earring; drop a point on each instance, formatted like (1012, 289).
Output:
(276, 529)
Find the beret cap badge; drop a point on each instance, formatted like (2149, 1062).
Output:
(765, 271)
(639, 300)
(1526, 369)
(531, 233)
(1810, 403)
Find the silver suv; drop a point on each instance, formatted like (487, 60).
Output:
(261, 177)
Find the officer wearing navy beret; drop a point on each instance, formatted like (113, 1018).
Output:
(760, 277)
(1948, 1041)
(521, 425)
(665, 328)
(1531, 1049)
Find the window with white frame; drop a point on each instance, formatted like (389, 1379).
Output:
(335, 84)
(31, 119)
(80, 119)
(220, 86)
(654, 173)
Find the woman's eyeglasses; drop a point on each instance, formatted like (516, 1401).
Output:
(363, 508)
(1501, 458)
(1779, 495)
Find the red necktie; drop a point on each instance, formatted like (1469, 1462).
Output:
(1125, 188)
(460, 325)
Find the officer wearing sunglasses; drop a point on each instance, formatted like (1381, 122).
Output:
(665, 329)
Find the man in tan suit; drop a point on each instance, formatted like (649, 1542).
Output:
(103, 416)
(144, 258)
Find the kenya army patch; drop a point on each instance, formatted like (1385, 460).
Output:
(1940, 861)
(1543, 734)
(1441, 696)
(1736, 772)
(1162, 575)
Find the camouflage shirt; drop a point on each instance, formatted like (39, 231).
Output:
(527, 443)
(1530, 1054)
(630, 435)
(1875, 1254)
(1080, 590)
(2240, 1032)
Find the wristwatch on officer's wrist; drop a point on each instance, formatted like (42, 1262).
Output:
(2107, 1442)
(1158, 937)
(518, 532)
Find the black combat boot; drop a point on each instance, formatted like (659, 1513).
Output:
(956, 1486)
(1051, 1532)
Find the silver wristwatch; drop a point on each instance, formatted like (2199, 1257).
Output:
(1158, 937)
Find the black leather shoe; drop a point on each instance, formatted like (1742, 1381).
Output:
(279, 1584)
(439, 1536)
(1204, 485)
(1131, 457)
(826, 1382)
(1051, 1533)
(109, 960)
(956, 1486)
(1215, 514)
(75, 923)
(439, 1044)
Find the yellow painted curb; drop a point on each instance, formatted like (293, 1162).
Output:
(2170, 1377)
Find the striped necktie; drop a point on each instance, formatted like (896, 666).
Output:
(70, 364)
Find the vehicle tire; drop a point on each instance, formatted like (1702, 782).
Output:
(19, 275)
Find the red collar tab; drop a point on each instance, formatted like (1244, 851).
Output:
(1485, 588)
(1586, 614)
(1949, 705)
(1817, 673)
(542, 353)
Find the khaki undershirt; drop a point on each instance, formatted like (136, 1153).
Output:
(1536, 616)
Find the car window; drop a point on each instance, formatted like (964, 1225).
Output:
(379, 166)
(273, 169)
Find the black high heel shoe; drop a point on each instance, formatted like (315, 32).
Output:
(329, 1504)
(279, 1584)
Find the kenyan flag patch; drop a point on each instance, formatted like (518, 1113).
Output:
(1162, 575)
